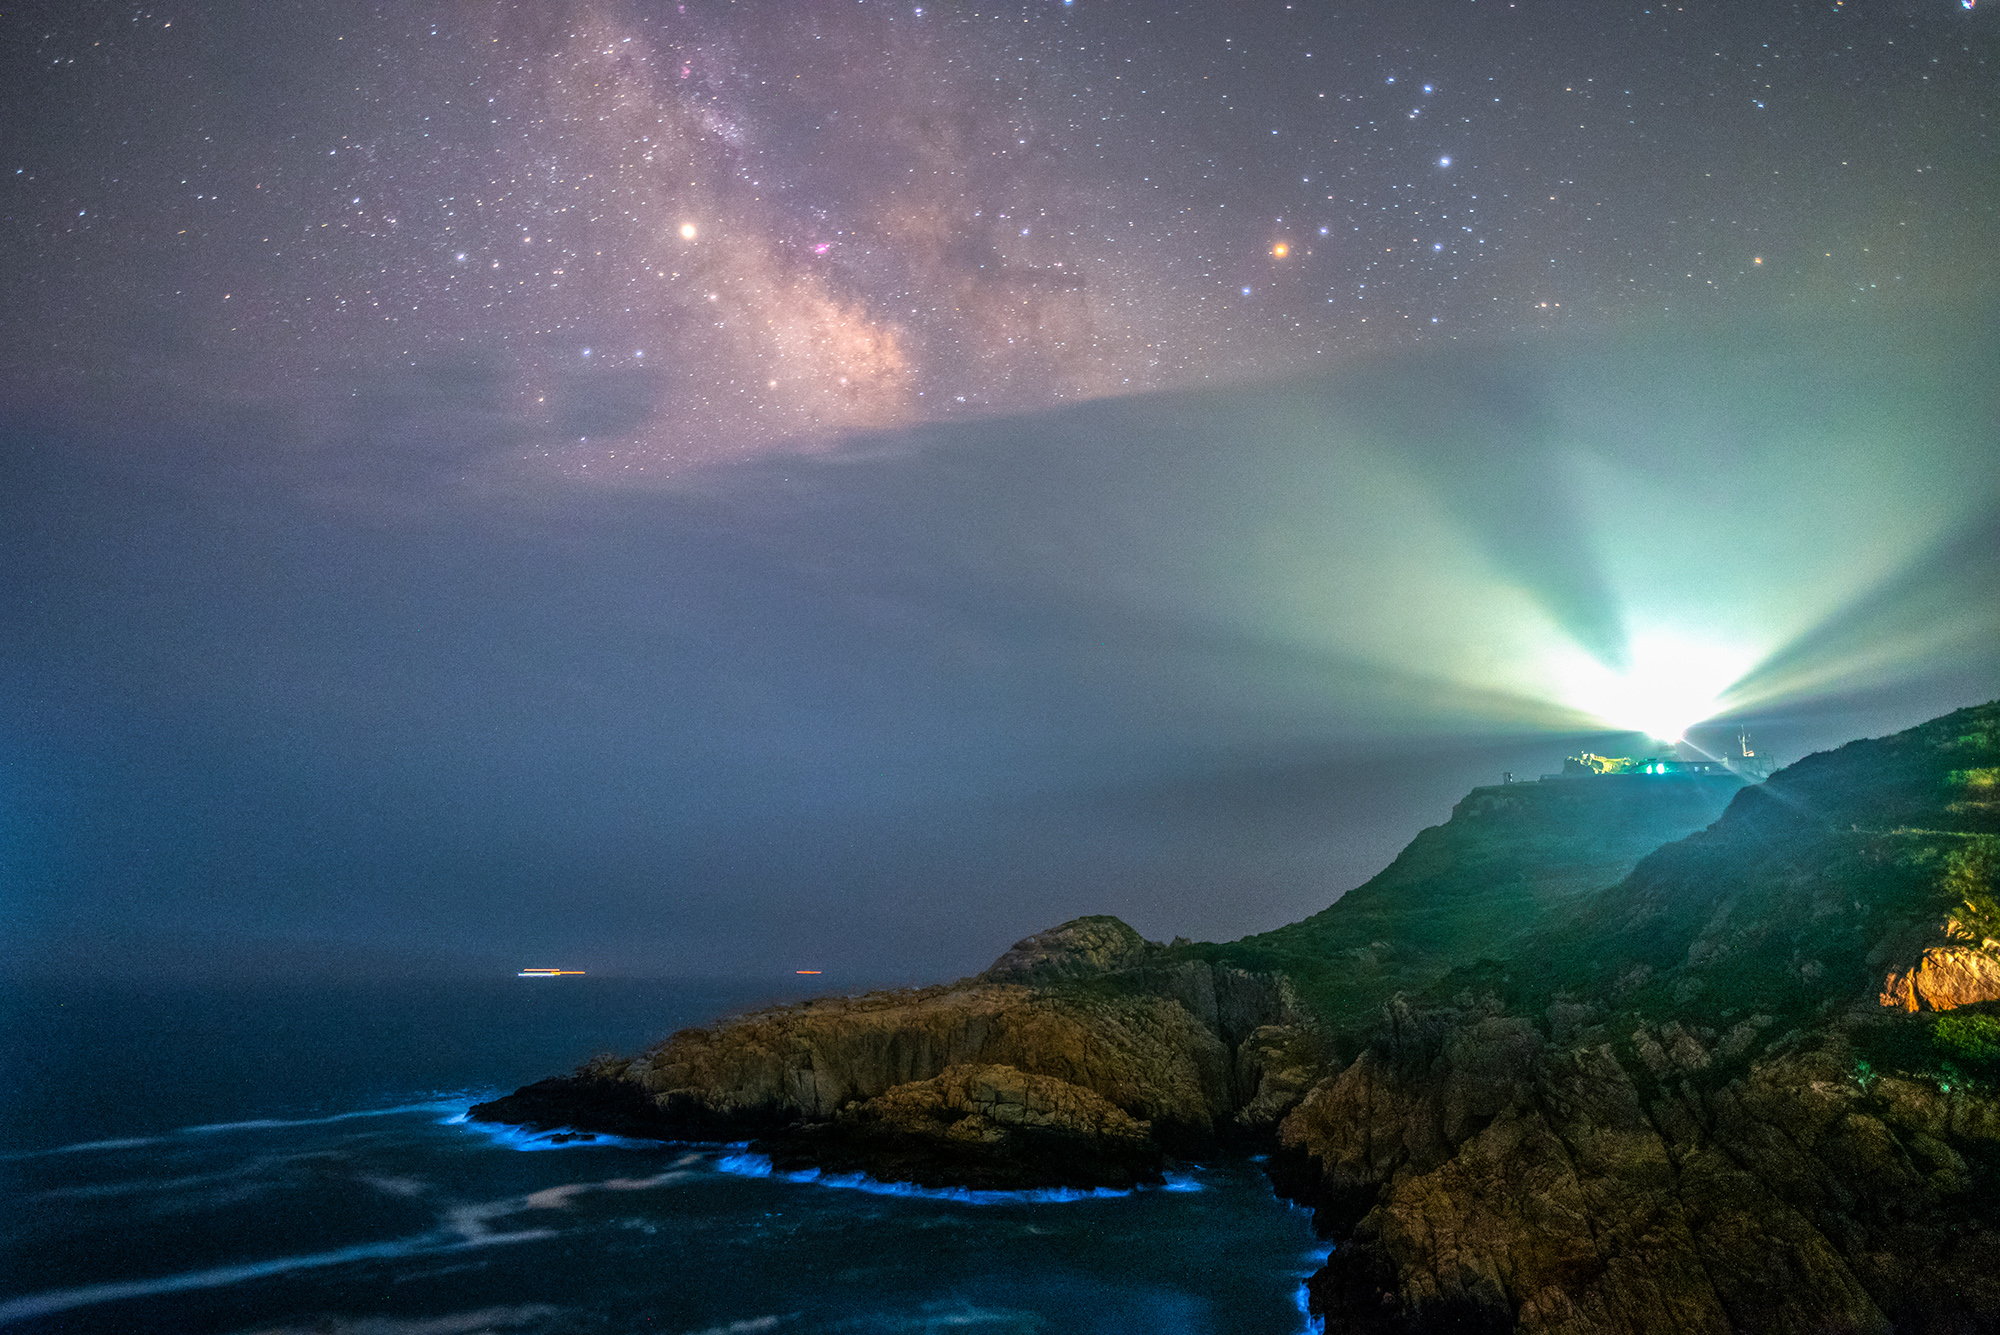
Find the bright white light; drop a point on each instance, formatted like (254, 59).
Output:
(1672, 684)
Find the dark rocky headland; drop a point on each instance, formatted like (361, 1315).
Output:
(1626, 1053)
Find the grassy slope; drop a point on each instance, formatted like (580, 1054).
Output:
(1782, 908)
(1508, 858)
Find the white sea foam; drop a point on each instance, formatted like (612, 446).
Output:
(1314, 1258)
(757, 1165)
(278, 1123)
(946, 1316)
(62, 1300)
(408, 1187)
(243, 1178)
(748, 1326)
(455, 1323)
(744, 1165)
(442, 1102)
(471, 1222)
(82, 1147)
(463, 1227)
(521, 1138)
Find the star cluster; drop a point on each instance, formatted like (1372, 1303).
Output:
(621, 237)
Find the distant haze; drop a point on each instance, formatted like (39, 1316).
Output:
(1202, 661)
(718, 488)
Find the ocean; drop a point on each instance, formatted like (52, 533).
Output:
(296, 1159)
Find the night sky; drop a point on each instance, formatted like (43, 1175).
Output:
(724, 488)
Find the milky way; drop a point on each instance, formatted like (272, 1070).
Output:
(621, 238)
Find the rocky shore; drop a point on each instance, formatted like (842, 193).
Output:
(1081, 1058)
(1751, 1087)
(1557, 1069)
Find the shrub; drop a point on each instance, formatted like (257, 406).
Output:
(1971, 1039)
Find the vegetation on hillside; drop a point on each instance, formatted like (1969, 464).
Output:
(1791, 909)
(1510, 858)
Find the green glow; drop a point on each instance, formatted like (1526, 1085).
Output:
(1684, 527)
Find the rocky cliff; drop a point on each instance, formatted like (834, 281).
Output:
(1116, 1054)
(1510, 857)
(1194, 1044)
(1718, 1096)
(1557, 1069)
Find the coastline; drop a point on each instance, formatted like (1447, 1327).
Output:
(1595, 1105)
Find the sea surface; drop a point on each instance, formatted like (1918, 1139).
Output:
(296, 1159)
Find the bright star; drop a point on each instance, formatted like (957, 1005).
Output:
(687, 231)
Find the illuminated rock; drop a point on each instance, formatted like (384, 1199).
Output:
(1945, 977)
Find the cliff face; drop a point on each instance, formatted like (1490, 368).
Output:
(1145, 1054)
(1510, 857)
(1080, 948)
(1507, 1183)
(1704, 1101)
(979, 1127)
(1533, 1077)
(1115, 1054)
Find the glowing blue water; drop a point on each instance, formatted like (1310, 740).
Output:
(249, 1187)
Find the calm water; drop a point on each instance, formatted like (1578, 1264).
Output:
(296, 1159)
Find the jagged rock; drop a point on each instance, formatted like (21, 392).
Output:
(1697, 1174)
(987, 1127)
(1501, 1181)
(1945, 978)
(1079, 948)
(1653, 1115)
(1961, 970)
(1277, 1065)
(878, 1082)
(587, 1101)
(1145, 1054)
(1000, 1098)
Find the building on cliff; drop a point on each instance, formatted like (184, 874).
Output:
(1589, 765)
(1746, 762)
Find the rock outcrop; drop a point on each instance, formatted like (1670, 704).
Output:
(1175, 1048)
(1962, 969)
(1492, 1179)
(1693, 1106)
(1531, 1078)
(1081, 948)
(1146, 1054)
(979, 1127)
